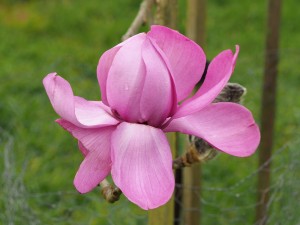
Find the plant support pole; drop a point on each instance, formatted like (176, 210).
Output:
(166, 13)
(195, 28)
(268, 111)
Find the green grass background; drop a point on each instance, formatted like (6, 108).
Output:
(38, 160)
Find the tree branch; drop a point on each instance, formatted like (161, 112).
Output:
(139, 20)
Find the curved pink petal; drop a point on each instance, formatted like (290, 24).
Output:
(125, 80)
(103, 68)
(105, 63)
(158, 98)
(95, 143)
(186, 58)
(142, 164)
(218, 74)
(228, 127)
(83, 150)
(74, 109)
(93, 169)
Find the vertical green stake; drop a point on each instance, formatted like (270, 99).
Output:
(166, 13)
(268, 111)
(164, 214)
(196, 13)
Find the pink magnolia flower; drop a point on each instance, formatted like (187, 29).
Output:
(142, 81)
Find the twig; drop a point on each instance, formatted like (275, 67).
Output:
(195, 155)
(139, 20)
(166, 13)
(110, 192)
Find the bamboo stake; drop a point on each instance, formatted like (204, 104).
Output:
(164, 214)
(166, 13)
(268, 111)
(196, 17)
(140, 19)
(192, 176)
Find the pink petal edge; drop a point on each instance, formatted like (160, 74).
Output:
(103, 68)
(83, 150)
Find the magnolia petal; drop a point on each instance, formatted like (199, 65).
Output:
(186, 58)
(95, 144)
(92, 139)
(104, 65)
(103, 68)
(75, 109)
(93, 169)
(125, 80)
(228, 127)
(142, 164)
(93, 113)
(218, 74)
(158, 97)
(83, 150)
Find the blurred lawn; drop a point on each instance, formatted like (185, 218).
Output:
(39, 37)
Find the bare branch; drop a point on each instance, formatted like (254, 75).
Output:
(140, 19)
(201, 153)
(166, 13)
